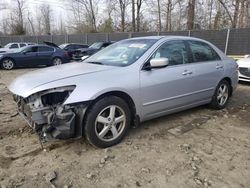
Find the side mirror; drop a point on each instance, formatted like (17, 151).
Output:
(159, 62)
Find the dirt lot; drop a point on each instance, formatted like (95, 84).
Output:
(195, 148)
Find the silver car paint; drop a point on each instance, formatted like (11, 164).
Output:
(155, 93)
(244, 63)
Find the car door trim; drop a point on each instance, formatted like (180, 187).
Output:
(178, 96)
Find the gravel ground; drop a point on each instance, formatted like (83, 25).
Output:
(196, 148)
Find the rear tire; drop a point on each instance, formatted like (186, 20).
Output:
(7, 64)
(107, 122)
(57, 61)
(221, 95)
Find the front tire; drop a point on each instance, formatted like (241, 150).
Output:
(107, 122)
(7, 64)
(221, 95)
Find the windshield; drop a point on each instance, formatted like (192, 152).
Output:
(7, 45)
(21, 49)
(96, 45)
(122, 53)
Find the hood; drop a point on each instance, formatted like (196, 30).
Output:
(27, 82)
(245, 62)
(4, 50)
(8, 51)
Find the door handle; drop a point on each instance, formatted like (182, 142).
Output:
(219, 67)
(186, 72)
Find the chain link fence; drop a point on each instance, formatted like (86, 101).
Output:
(230, 41)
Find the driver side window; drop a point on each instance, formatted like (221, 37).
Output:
(31, 49)
(175, 51)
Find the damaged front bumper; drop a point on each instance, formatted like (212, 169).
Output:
(46, 114)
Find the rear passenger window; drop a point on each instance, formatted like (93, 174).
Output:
(202, 52)
(45, 49)
(22, 45)
(175, 51)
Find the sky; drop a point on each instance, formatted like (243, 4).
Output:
(58, 7)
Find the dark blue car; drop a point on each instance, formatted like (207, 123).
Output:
(33, 56)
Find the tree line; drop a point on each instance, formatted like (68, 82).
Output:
(124, 16)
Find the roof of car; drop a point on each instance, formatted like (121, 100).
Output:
(167, 36)
(73, 43)
(38, 45)
(21, 43)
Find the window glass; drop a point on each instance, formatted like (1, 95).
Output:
(70, 47)
(22, 45)
(96, 45)
(30, 49)
(122, 53)
(175, 51)
(83, 46)
(45, 49)
(14, 46)
(106, 44)
(202, 52)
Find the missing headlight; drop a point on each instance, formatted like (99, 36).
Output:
(54, 98)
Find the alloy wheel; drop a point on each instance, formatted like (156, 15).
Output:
(222, 95)
(8, 64)
(57, 61)
(110, 123)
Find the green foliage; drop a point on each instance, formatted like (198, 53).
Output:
(107, 26)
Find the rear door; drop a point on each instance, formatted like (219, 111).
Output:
(164, 90)
(45, 55)
(208, 69)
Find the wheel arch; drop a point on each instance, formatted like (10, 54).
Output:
(123, 95)
(14, 61)
(8, 58)
(54, 57)
(230, 85)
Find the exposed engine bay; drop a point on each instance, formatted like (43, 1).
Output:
(46, 114)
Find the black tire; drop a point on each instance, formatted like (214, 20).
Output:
(91, 123)
(215, 103)
(7, 66)
(57, 61)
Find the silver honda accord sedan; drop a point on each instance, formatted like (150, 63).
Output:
(129, 82)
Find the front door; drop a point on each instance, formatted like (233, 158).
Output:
(28, 57)
(166, 89)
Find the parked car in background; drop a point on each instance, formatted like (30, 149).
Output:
(13, 46)
(86, 52)
(104, 95)
(31, 56)
(72, 47)
(244, 68)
